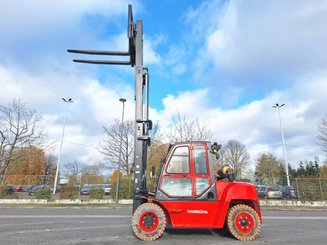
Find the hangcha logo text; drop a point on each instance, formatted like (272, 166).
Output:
(197, 211)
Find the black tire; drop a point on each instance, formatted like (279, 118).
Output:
(243, 222)
(148, 222)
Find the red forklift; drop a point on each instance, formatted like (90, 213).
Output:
(188, 193)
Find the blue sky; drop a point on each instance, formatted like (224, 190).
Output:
(223, 62)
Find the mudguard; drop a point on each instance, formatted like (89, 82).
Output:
(232, 193)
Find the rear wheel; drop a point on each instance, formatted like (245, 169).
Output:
(148, 222)
(243, 222)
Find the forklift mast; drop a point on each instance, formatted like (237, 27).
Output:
(142, 122)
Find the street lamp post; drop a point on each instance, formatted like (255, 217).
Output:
(283, 141)
(120, 147)
(60, 149)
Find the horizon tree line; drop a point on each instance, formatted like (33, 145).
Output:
(21, 133)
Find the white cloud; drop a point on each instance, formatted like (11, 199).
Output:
(37, 34)
(150, 56)
(95, 105)
(268, 36)
(35, 67)
(104, 103)
(254, 47)
(28, 18)
(276, 48)
(32, 89)
(256, 124)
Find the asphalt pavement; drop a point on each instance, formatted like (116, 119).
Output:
(111, 224)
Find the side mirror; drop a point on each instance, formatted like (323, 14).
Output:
(215, 148)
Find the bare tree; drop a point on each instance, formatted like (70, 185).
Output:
(19, 127)
(91, 174)
(188, 130)
(50, 164)
(322, 137)
(74, 168)
(235, 154)
(110, 145)
(49, 170)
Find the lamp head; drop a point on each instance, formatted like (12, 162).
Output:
(70, 100)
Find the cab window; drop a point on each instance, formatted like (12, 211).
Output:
(177, 187)
(179, 162)
(174, 184)
(200, 160)
(201, 184)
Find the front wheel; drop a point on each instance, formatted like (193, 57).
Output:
(148, 222)
(243, 222)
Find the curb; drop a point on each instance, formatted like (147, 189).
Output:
(292, 203)
(63, 201)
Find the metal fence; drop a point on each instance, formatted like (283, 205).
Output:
(306, 189)
(310, 189)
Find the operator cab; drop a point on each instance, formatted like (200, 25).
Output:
(187, 173)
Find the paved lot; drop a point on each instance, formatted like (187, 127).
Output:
(111, 225)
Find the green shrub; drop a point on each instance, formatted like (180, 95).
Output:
(324, 188)
(96, 193)
(5, 193)
(69, 192)
(151, 185)
(43, 194)
(125, 189)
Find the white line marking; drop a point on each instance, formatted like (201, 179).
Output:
(64, 216)
(71, 228)
(294, 218)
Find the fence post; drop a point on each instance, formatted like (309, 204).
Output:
(298, 191)
(321, 193)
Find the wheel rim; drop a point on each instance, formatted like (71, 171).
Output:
(149, 221)
(244, 222)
